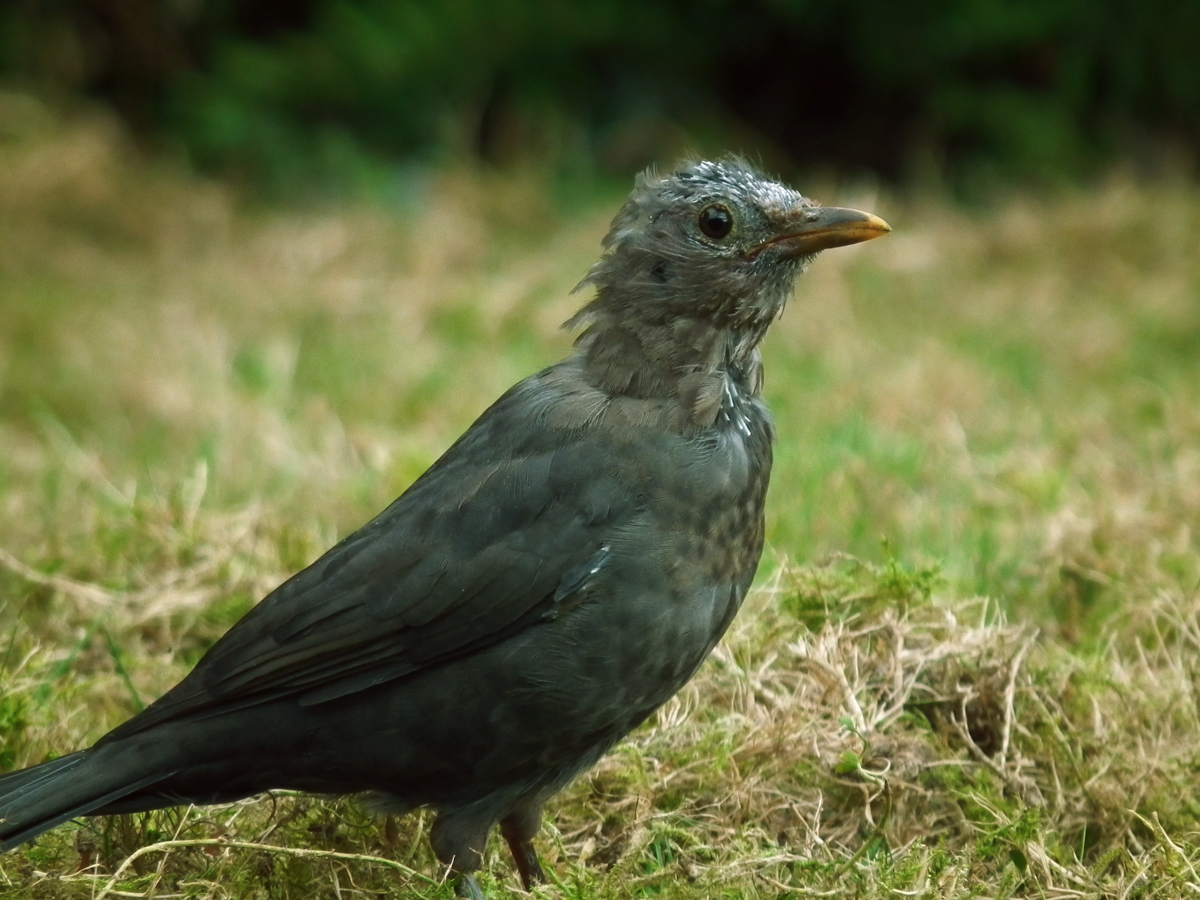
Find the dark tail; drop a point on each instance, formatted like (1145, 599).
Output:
(37, 799)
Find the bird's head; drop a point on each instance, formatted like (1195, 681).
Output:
(715, 242)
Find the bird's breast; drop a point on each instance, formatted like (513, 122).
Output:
(701, 526)
(732, 485)
(669, 583)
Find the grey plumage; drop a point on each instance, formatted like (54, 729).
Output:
(554, 578)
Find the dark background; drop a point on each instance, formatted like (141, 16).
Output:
(968, 92)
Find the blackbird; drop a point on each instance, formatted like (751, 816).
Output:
(555, 577)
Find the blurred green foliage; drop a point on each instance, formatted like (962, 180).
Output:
(287, 90)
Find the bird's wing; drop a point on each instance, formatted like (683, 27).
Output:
(501, 533)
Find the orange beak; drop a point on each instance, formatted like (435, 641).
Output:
(815, 228)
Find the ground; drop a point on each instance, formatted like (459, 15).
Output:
(969, 666)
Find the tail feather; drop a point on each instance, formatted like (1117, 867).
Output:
(34, 800)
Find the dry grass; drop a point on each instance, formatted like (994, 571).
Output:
(196, 397)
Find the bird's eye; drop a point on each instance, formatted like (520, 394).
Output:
(716, 222)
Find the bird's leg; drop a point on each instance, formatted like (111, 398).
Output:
(459, 842)
(518, 828)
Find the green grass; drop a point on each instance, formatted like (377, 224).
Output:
(970, 665)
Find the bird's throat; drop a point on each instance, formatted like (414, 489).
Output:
(685, 361)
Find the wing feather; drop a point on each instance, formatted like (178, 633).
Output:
(484, 544)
